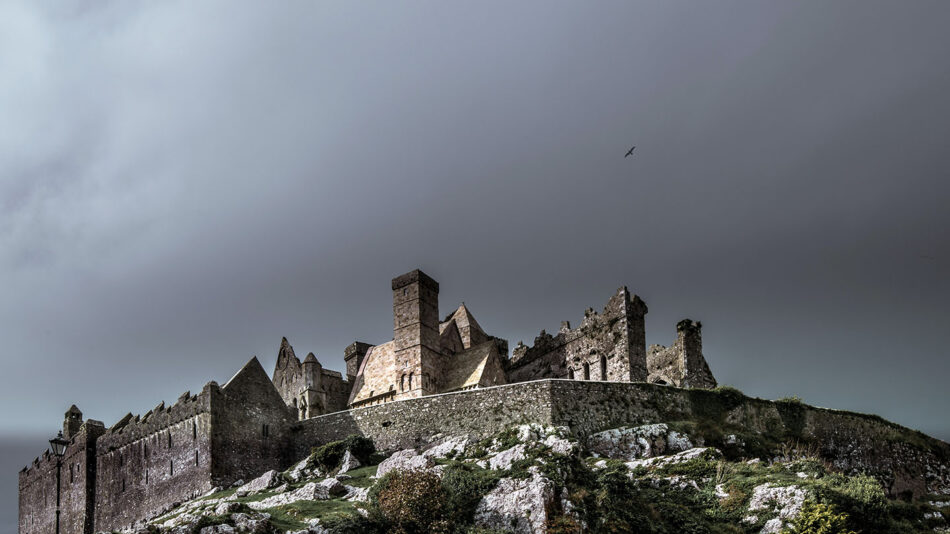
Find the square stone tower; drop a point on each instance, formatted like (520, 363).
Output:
(416, 333)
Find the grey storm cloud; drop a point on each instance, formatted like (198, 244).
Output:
(183, 183)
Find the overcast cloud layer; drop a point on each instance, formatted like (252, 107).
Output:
(183, 183)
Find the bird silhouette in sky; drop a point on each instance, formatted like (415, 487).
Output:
(630, 153)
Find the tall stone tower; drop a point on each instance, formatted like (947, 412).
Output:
(416, 333)
(72, 421)
(689, 341)
(635, 310)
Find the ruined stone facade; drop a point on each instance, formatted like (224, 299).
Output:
(142, 465)
(682, 364)
(610, 346)
(307, 387)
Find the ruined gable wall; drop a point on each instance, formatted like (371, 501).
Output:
(37, 487)
(610, 345)
(147, 465)
(682, 364)
(289, 380)
(666, 365)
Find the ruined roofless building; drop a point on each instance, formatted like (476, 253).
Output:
(427, 356)
(142, 465)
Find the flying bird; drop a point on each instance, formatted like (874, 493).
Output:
(630, 153)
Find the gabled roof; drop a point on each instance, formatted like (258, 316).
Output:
(250, 379)
(466, 368)
(450, 338)
(471, 331)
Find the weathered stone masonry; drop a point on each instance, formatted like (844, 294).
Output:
(37, 482)
(142, 465)
(854, 442)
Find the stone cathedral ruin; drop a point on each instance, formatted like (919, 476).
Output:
(433, 377)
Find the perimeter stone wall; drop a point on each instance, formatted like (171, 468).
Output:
(906, 460)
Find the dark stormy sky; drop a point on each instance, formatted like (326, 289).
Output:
(182, 183)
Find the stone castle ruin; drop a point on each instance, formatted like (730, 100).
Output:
(109, 478)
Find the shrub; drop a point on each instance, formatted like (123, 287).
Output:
(410, 502)
(564, 524)
(619, 505)
(818, 518)
(351, 523)
(792, 399)
(360, 447)
(328, 456)
(465, 486)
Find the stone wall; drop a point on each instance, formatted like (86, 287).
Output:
(610, 345)
(37, 487)
(414, 422)
(906, 460)
(146, 464)
(250, 427)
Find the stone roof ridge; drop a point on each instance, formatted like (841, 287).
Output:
(311, 359)
(252, 365)
(73, 409)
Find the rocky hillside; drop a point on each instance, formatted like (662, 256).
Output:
(655, 478)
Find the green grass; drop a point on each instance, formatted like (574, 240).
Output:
(362, 476)
(294, 516)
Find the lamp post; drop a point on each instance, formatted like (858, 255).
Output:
(58, 445)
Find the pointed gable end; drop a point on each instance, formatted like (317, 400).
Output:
(251, 384)
(469, 329)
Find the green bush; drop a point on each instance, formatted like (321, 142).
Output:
(818, 518)
(411, 502)
(792, 399)
(465, 486)
(619, 505)
(351, 523)
(360, 447)
(328, 456)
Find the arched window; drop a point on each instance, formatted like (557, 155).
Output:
(603, 367)
(169, 439)
(402, 383)
(171, 467)
(194, 429)
(570, 373)
(586, 371)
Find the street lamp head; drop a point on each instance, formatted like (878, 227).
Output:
(58, 444)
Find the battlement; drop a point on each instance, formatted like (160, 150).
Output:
(131, 428)
(609, 345)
